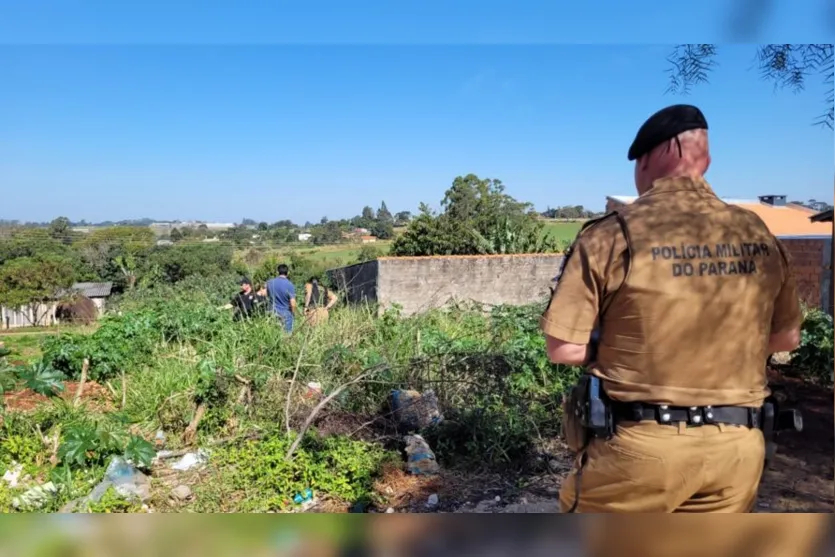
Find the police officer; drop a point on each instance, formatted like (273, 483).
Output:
(244, 301)
(688, 296)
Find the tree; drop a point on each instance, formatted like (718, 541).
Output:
(117, 253)
(478, 217)
(402, 218)
(324, 220)
(785, 65)
(180, 261)
(384, 230)
(328, 234)
(59, 229)
(176, 235)
(29, 281)
(367, 253)
(383, 214)
(367, 213)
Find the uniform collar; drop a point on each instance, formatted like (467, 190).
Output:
(681, 183)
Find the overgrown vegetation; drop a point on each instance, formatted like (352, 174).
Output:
(814, 356)
(178, 364)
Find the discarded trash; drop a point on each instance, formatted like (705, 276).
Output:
(12, 475)
(414, 411)
(36, 497)
(190, 460)
(389, 511)
(433, 501)
(314, 390)
(159, 438)
(181, 492)
(420, 460)
(125, 479)
(306, 495)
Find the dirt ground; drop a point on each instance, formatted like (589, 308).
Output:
(94, 395)
(798, 480)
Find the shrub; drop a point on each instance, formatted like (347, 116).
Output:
(815, 353)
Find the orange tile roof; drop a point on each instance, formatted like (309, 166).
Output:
(789, 220)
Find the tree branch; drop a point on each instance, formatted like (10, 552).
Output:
(785, 65)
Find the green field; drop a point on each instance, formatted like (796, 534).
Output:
(346, 254)
(563, 231)
(25, 343)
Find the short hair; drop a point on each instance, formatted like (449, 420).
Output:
(283, 269)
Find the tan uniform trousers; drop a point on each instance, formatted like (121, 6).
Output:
(652, 468)
(315, 316)
(748, 535)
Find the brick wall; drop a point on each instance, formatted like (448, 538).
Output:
(806, 258)
(421, 283)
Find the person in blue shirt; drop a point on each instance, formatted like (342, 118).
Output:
(282, 297)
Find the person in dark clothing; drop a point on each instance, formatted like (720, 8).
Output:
(245, 301)
(261, 302)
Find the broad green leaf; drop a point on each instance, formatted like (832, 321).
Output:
(42, 379)
(77, 443)
(140, 451)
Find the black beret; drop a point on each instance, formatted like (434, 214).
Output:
(665, 125)
(245, 280)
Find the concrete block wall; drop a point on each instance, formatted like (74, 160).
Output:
(421, 283)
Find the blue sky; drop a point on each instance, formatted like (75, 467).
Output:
(271, 131)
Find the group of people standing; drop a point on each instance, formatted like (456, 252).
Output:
(278, 297)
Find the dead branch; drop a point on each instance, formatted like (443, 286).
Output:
(293, 381)
(85, 367)
(124, 390)
(318, 408)
(190, 433)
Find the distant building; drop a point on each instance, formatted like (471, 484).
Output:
(368, 239)
(43, 314)
(305, 237)
(165, 243)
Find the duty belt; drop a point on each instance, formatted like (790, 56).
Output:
(693, 416)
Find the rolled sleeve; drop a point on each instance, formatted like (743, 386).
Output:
(573, 310)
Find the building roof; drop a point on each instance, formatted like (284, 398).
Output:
(824, 216)
(93, 289)
(787, 220)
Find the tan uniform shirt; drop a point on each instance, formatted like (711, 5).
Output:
(689, 289)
